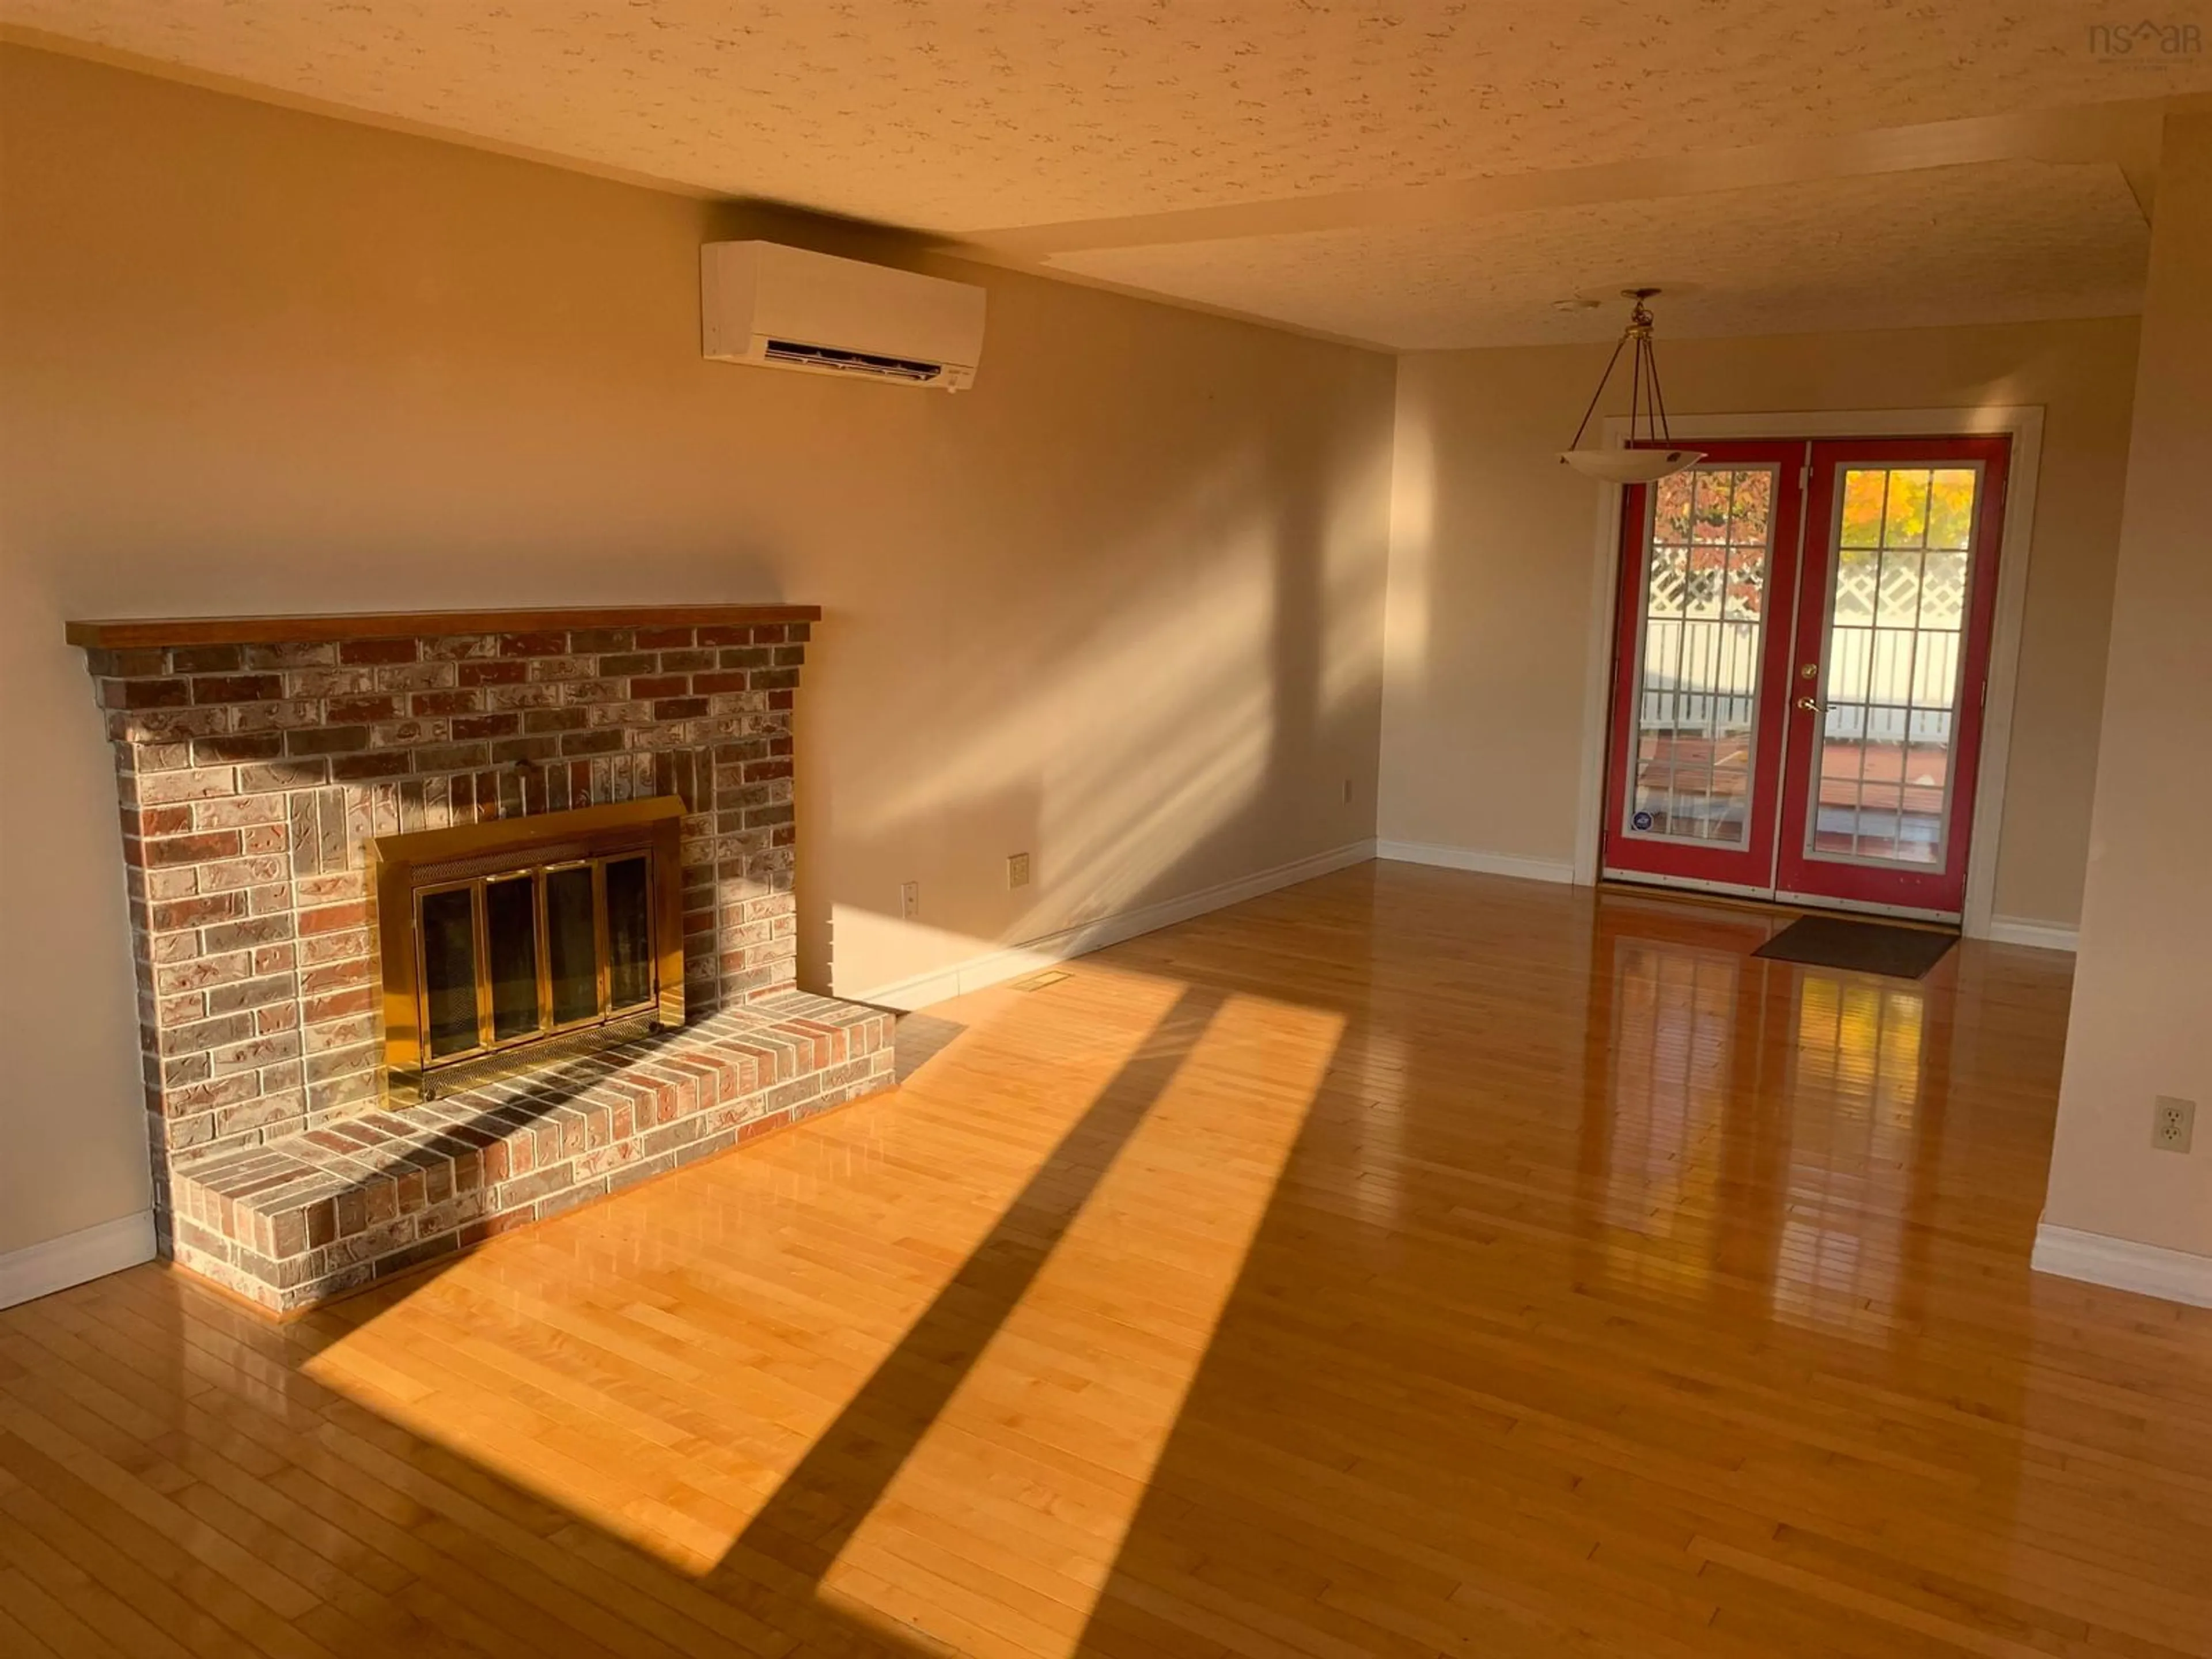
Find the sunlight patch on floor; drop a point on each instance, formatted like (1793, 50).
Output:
(1039, 1463)
(660, 1364)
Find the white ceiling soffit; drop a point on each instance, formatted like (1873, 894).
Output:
(1996, 242)
(1344, 165)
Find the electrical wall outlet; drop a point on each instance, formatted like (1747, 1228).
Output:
(1017, 869)
(910, 899)
(2172, 1123)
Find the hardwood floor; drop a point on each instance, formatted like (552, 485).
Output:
(1408, 1263)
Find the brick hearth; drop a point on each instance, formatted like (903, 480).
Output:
(256, 759)
(309, 1217)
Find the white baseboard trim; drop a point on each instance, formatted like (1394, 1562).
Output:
(2148, 1269)
(1466, 858)
(2043, 935)
(40, 1270)
(1011, 961)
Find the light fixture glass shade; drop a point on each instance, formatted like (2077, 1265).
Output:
(1631, 466)
(1650, 453)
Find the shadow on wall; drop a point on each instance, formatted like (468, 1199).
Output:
(1185, 710)
(1196, 720)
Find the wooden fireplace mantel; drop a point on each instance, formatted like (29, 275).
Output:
(271, 772)
(135, 632)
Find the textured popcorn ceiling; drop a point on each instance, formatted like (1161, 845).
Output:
(968, 116)
(958, 114)
(2006, 241)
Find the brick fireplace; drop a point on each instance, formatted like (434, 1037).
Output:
(259, 761)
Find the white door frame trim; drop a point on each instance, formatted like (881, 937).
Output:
(2022, 423)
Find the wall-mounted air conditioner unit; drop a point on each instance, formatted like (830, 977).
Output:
(785, 307)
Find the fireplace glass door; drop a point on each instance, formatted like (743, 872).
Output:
(520, 954)
(541, 929)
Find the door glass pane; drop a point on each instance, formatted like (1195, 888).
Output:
(1899, 581)
(571, 943)
(630, 932)
(1708, 543)
(446, 927)
(511, 941)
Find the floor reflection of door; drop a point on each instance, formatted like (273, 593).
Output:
(1801, 670)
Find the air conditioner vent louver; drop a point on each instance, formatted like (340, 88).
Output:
(790, 308)
(852, 362)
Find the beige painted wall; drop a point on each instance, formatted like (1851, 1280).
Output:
(1490, 592)
(2141, 1023)
(1118, 607)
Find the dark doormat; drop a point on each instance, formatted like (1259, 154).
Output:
(1868, 947)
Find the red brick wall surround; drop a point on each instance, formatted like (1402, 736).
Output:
(252, 775)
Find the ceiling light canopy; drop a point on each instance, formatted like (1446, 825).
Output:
(1649, 453)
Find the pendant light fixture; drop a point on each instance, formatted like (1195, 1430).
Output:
(1657, 458)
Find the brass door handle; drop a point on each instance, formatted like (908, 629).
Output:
(1810, 705)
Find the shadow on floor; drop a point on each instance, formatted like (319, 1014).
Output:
(921, 1038)
(1619, 1294)
(820, 1503)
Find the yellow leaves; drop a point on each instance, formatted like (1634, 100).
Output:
(1908, 506)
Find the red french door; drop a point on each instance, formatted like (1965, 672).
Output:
(1709, 575)
(1801, 662)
